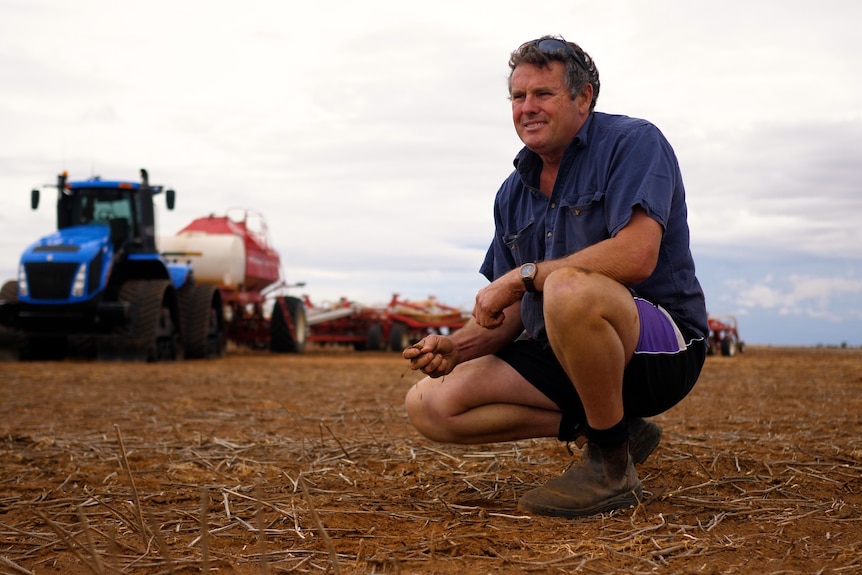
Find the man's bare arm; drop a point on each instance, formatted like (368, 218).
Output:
(437, 355)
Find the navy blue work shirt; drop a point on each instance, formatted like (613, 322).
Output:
(614, 164)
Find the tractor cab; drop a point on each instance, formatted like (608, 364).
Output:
(124, 208)
(111, 208)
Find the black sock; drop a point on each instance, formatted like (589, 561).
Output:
(611, 437)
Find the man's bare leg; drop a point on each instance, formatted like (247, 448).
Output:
(484, 400)
(593, 327)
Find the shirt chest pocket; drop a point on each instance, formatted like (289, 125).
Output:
(523, 244)
(585, 222)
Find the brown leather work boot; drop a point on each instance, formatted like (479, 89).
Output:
(644, 437)
(604, 480)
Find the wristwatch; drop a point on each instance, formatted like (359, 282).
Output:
(528, 276)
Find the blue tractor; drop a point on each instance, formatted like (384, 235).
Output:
(98, 287)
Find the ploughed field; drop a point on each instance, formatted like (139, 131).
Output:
(260, 463)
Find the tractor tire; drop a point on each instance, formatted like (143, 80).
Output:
(728, 347)
(152, 332)
(399, 337)
(8, 345)
(713, 345)
(374, 340)
(9, 291)
(281, 340)
(202, 321)
(8, 336)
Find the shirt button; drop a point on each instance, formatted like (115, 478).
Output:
(550, 234)
(553, 205)
(577, 212)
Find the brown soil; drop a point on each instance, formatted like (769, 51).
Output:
(260, 463)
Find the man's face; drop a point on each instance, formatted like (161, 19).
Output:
(546, 118)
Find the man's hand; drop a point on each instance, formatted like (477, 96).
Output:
(434, 355)
(495, 297)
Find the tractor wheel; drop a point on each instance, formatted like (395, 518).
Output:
(163, 319)
(9, 291)
(202, 319)
(8, 336)
(374, 340)
(8, 344)
(152, 332)
(281, 340)
(399, 337)
(728, 347)
(712, 347)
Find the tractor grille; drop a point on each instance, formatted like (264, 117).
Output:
(57, 248)
(50, 280)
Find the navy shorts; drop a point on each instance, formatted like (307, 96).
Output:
(662, 371)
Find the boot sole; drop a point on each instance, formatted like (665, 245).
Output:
(621, 501)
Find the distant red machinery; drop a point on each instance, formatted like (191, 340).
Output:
(724, 336)
(234, 254)
(394, 326)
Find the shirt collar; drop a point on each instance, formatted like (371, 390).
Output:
(527, 159)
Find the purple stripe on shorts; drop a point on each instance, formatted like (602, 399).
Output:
(658, 334)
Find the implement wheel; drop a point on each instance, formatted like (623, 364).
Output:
(374, 340)
(286, 312)
(399, 337)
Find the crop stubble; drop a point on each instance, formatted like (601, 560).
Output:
(259, 463)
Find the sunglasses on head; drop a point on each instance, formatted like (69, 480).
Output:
(554, 47)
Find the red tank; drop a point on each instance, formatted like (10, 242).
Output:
(261, 261)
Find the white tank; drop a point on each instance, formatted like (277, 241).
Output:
(217, 259)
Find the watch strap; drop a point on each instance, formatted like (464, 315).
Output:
(529, 279)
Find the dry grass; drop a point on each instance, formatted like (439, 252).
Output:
(306, 464)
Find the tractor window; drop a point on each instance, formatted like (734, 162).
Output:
(110, 207)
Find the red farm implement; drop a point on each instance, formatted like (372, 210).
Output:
(235, 255)
(395, 326)
(724, 336)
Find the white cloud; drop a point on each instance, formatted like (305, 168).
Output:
(802, 295)
(780, 188)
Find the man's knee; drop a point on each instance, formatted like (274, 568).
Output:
(593, 302)
(425, 412)
(572, 290)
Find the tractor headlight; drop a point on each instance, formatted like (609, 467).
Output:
(80, 282)
(22, 281)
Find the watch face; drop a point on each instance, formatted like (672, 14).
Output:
(527, 270)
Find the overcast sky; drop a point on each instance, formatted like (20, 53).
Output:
(373, 135)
